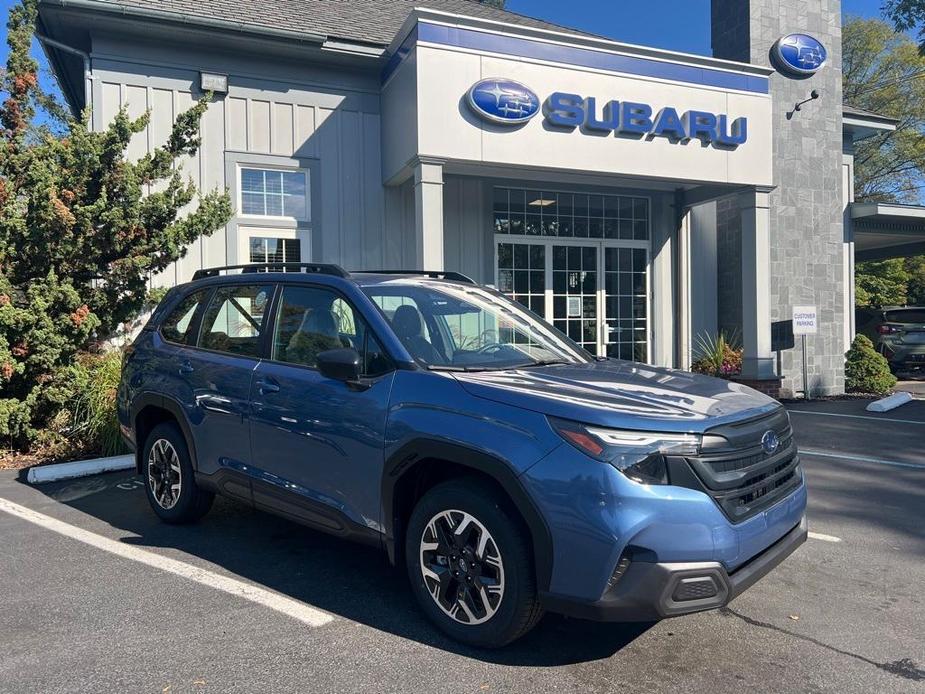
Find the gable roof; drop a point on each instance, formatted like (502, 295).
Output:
(371, 22)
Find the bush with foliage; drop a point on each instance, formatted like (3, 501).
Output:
(81, 230)
(86, 423)
(866, 370)
(717, 356)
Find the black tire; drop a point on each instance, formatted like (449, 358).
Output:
(192, 502)
(518, 609)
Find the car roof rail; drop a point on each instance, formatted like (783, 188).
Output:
(432, 274)
(317, 268)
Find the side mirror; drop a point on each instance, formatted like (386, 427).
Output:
(340, 364)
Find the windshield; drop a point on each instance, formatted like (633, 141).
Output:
(460, 327)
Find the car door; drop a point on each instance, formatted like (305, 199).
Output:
(219, 374)
(318, 443)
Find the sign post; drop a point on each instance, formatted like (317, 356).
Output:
(805, 322)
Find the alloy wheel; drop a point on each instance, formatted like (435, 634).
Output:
(462, 567)
(164, 477)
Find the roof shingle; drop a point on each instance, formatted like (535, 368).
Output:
(372, 22)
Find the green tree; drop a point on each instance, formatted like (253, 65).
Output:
(915, 289)
(881, 283)
(81, 229)
(884, 72)
(907, 15)
(881, 70)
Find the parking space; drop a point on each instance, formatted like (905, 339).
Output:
(220, 612)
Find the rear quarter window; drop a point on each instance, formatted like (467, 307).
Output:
(177, 327)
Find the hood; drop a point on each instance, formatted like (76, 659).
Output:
(621, 394)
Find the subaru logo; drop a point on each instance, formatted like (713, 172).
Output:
(799, 54)
(503, 101)
(769, 442)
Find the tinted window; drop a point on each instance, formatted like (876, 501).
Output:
(907, 315)
(177, 327)
(234, 319)
(312, 320)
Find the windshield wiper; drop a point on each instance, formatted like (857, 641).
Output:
(446, 367)
(545, 362)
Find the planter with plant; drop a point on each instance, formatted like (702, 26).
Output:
(717, 355)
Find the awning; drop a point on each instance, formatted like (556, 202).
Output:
(887, 230)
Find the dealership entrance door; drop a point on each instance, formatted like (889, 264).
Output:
(581, 261)
(593, 291)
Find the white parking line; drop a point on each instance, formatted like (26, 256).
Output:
(280, 603)
(857, 416)
(859, 459)
(823, 537)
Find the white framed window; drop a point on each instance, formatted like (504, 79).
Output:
(267, 245)
(277, 193)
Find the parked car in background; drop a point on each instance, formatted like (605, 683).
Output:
(898, 333)
(507, 469)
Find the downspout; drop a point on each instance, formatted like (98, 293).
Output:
(88, 74)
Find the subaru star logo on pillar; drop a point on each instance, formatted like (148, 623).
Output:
(799, 54)
(503, 101)
(770, 442)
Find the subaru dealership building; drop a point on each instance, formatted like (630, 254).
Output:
(636, 197)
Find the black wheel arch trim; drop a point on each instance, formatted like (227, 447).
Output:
(150, 399)
(404, 459)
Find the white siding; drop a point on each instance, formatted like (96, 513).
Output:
(300, 118)
(467, 228)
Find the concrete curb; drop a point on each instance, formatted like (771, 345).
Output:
(890, 402)
(79, 468)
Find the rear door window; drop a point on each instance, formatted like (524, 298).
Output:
(234, 320)
(178, 326)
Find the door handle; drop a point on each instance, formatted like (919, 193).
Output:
(266, 386)
(186, 368)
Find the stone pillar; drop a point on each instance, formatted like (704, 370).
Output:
(805, 217)
(428, 215)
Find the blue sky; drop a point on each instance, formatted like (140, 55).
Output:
(682, 25)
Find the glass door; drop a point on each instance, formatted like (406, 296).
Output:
(596, 292)
(575, 285)
(625, 333)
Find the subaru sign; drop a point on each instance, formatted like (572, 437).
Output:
(503, 101)
(639, 120)
(799, 54)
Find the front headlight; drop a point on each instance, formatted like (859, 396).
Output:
(640, 455)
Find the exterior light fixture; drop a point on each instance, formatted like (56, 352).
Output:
(213, 82)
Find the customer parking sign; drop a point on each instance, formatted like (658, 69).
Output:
(804, 320)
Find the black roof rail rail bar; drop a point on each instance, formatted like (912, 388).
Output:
(318, 268)
(433, 274)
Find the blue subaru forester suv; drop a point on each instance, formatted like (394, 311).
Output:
(505, 467)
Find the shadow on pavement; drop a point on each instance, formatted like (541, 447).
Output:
(345, 579)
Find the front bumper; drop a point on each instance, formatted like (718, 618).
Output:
(650, 591)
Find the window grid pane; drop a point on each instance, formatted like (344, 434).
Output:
(274, 193)
(572, 215)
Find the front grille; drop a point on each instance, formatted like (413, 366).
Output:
(734, 469)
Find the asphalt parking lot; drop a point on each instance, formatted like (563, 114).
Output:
(99, 596)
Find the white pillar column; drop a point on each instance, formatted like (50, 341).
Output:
(757, 362)
(428, 214)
